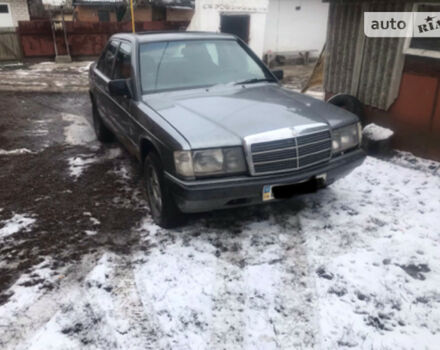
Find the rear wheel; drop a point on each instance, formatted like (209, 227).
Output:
(162, 205)
(103, 133)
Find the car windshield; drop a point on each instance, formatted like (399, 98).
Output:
(185, 64)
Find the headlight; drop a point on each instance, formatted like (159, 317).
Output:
(346, 138)
(183, 163)
(210, 162)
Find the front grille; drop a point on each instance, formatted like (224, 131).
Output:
(290, 154)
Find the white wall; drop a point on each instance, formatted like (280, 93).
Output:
(207, 18)
(18, 11)
(288, 29)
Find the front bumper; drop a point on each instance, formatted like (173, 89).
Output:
(206, 195)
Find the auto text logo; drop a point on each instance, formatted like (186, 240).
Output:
(402, 24)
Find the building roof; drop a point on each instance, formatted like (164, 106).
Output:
(164, 3)
(174, 3)
(99, 2)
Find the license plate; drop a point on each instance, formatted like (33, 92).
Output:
(268, 189)
(267, 193)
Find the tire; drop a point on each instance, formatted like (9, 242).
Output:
(163, 208)
(350, 103)
(103, 134)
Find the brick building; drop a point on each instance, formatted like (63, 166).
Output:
(12, 11)
(99, 10)
(145, 10)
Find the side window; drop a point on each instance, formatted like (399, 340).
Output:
(123, 62)
(105, 63)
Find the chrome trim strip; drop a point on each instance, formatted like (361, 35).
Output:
(291, 169)
(286, 159)
(312, 143)
(273, 150)
(297, 153)
(311, 154)
(274, 161)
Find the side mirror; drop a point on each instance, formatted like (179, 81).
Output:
(119, 87)
(279, 74)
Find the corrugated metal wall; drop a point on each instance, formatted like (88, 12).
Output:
(368, 68)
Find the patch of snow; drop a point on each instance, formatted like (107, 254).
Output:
(373, 240)
(112, 153)
(15, 151)
(79, 131)
(78, 164)
(90, 232)
(377, 133)
(95, 221)
(16, 224)
(242, 294)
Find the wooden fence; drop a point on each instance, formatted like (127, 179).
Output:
(9, 45)
(84, 38)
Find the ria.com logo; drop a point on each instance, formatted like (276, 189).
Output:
(402, 24)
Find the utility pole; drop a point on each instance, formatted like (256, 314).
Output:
(132, 16)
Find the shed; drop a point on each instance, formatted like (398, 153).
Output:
(295, 26)
(245, 18)
(397, 79)
(12, 11)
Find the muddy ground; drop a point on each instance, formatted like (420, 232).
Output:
(39, 183)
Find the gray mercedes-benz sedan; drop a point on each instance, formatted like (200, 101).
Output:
(212, 126)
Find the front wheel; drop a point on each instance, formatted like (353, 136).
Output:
(162, 205)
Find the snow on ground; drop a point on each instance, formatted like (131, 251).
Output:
(78, 164)
(356, 265)
(16, 223)
(78, 131)
(376, 255)
(14, 151)
(45, 76)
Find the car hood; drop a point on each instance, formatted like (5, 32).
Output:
(224, 116)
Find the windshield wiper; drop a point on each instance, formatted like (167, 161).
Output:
(253, 81)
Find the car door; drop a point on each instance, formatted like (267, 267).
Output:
(102, 75)
(123, 104)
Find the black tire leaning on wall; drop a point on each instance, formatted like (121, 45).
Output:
(350, 103)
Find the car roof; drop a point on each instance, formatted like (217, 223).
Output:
(144, 37)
